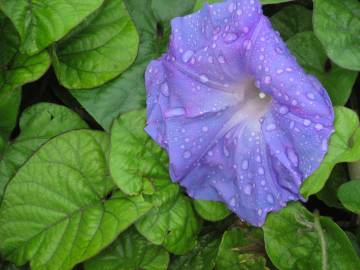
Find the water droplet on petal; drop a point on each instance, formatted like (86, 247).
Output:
(307, 122)
(270, 127)
(164, 89)
(324, 145)
(247, 44)
(179, 111)
(233, 202)
(230, 37)
(204, 78)
(245, 164)
(292, 156)
(187, 55)
(231, 7)
(187, 154)
(247, 189)
(260, 211)
(310, 96)
(319, 126)
(267, 79)
(284, 110)
(261, 170)
(279, 50)
(221, 59)
(270, 198)
(205, 128)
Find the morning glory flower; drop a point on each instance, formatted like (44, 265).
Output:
(240, 119)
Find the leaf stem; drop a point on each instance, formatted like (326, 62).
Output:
(320, 231)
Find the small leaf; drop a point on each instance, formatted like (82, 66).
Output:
(9, 107)
(312, 57)
(43, 22)
(201, 258)
(129, 145)
(165, 12)
(348, 194)
(337, 25)
(295, 239)
(59, 209)
(38, 124)
(241, 249)
(130, 251)
(211, 211)
(344, 147)
(99, 49)
(291, 20)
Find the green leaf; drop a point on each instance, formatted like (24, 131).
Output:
(296, 239)
(348, 194)
(337, 25)
(311, 56)
(59, 210)
(329, 193)
(211, 211)
(201, 258)
(241, 249)
(9, 107)
(43, 22)
(344, 146)
(200, 3)
(99, 49)
(129, 144)
(165, 12)
(127, 92)
(38, 124)
(130, 251)
(291, 20)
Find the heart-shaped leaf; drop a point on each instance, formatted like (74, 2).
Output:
(212, 211)
(348, 194)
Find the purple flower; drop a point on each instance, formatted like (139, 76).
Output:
(241, 120)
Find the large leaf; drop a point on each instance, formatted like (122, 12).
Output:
(241, 249)
(38, 124)
(130, 145)
(58, 209)
(98, 50)
(291, 20)
(337, 25)
(137, 164)
(199, 3)
(201, 258)
(344, 146)
(127, 92)
(130, 251)
(212, 211)
(43, 22)
(310, 54)
(348, 194)
(295, 239)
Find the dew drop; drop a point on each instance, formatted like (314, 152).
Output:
(187, 55)
(230, 37)
(260, 211)
(187, 154)
(247, 189)
(292, 157)
(270, 127)
(267, 79)
(319, 126)
(310, 96)
(205, 129)
(164, 89)
(233, 202)
(245, 165)
(279, 50)
(284, 110)
(307, 122)
(261, 170)
(221, 59)
(179, 111)
(324, 145)
(247, 44)
(204, 78)
(270, 198)
(279, 71)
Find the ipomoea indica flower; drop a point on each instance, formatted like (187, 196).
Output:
(240, 119)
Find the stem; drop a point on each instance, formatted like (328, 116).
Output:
(320, 231)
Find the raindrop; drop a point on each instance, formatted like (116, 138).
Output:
(310, 96)
(247, 44)
(245, 165)
(226, 151)
(270, 198)
(211, 59)
(279, 71)
(248, 189)
(239, 12)
(270, 127)
(324, 145)
(284, 110)
(164, 89)
(319, 126)
(233, 202)
(187, 55)
(262, 95)
(221, 60)
(292, 157)
(205, 129)
(267, 79)
(204, 78)
(231, 7)
(179, 111)
(307, 122)
(279, 50)
(261, 170)
(260, 211)
(187, 154)
(230, 37)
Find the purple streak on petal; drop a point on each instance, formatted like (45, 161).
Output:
(240, 119)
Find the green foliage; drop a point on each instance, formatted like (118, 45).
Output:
(212, 211)
(296, 239)
(348, 194)
(337, 25)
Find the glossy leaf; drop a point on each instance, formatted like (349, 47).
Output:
(59, 208)
(312, 57)
(43, 22)
(296, 239)
(344, 147)
(348, 194)
(99, 49)
(291, 20)
(130, 251)
(211, 211)
(9, 107)
(130, 145)
(38, 124)
(241, 249)
(202, 257)
(127, 92)
(337, 25)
